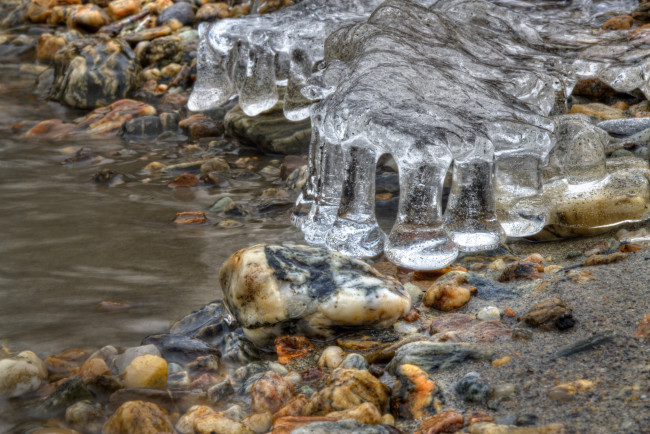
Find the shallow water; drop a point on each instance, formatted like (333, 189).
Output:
(67, 243)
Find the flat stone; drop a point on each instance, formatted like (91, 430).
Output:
(437, 356)
(598, 110)
(180, 349)
(625, 127)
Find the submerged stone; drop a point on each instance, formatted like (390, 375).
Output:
(279, 290)
(437, 356)
(180, 349)
(21, 374)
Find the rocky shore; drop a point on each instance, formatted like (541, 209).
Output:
(529, 338)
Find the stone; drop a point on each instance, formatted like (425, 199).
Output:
(489, 313)
(348, 388)
(138, 416)
(93, 368)
(598, 110)
(365, 413)
(415, 395)
(593, 88)
(184, 180)
(449, 292)
(479, 416)
(85, 416)
(437, 356)
(66, 394)
(180, 349)
(199, 125)
(605, 259)
(643, 330)
(146, 372)
(212, 11)
(147, 34)
(170, 400)
(521, 270)
(221, 391)
(47, 46)
(269, 131)
(206, 363)
(118, 9)
(123, 360)
(583, 345)
(465, 328)
(354, 361)
(21, 374)
(259, 422)
(88, 18)
(299, 405)
(211, 324)
(503, 391)
(501, 361)
(180, 11)
(567, 391)
(346, 426)
(623, 22)
(331, 357)
(493, 428)
(550, 311)
(290, 347)
(185, 424)
(162, 51)
(190, 217)
(448, 421)
(272, 290)
(471, 389)
(144, 126)
(270, 393)
(219, 423)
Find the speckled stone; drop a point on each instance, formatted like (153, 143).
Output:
(348, 388)
(138, 416)
(270, 393)
(148, 372)
(437, 356)
(279, 290)
(415, 394)
(21, 374)
(450, 292)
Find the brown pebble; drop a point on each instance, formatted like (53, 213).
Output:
(643, 330)
(291, 347)
(521, 270)
(190, 217)
(624, 22)
(632, 247)
(605, 259)
(184, 180)
(509, 312)
(479, 416)
(412, 316)
(448, 421)
(501, 361)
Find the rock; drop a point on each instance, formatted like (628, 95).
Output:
(171, 400)
(88, 18)
(354, 361)
(586, 344)
(299, 405)
(48, 45)
(147, 34)
(123, 360)
(180, 349)
(550, 311)
(290, 163)
(623, 22)
(210, 324)
(290, 347)
(190, 217)
(347, 426)
(331, 357)
(146, 372)
(200, 125)
(643, 330)
(212, 11)
(270, 393)
(21, 374)
(449, 292)
(118, 9)
(162, 51)
(184, 180)
(219, 423)
(180, 11)
(448, 421)
(567, 391)
(593, 88)
(492, 428)
(270, 131)
(415, 395)
(623, 127)
(598, 110)
(94, 367)
(503, 391)
(220, 391)
(144, 126)
(85, 416)
(501, 361)
(138, 416)
(66, 394)
(208, 363)
(489, 313)
(521, 270)
(348, 388)
(605, 259)
(462, 327)
(186, 424)
(437, 356)
(642, 12)
(471, 389)
(365, 413)
(308, 291)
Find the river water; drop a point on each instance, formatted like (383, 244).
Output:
(67, 244)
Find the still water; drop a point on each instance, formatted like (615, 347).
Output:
(67, 243)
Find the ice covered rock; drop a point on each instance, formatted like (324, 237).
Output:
(277, 290)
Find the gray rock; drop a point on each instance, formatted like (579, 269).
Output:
(220, 391)
(85, 416)
(342, 426)
(277, 290)
(252, 369)
(354, 361)
(144, 126)
(437, 356)
(471, 389)
(67, 394)
(123, 360)
(180, 349)
(625, 127)
(270, 131)
(181, 11)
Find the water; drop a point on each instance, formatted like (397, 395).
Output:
(67, 243)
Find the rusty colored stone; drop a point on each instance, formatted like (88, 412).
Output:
(412, 316)
(479, 416)
(184, 180)
(449, 293)
(212, 11)
(509, 312)
(448, 421)
(551, 310)
(299, 406)
(365, 413)
(605, 259)
(200, 125)
(593, 88)
(461, 327)
(290, 347)
(89, 18)
(48, 45)
(312, 374)
(118, 9)
(415, 394)
(138, 416)
(348, 388)
(521, 270)
(190, 217)
(643, 330)
(93, 368)
(630, 247)
(285, 425)
(623, 22)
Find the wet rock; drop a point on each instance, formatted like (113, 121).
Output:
(207, 363)
(103, 386)
(186, 424)
(259, 422)
(180, 349)
(299, 405)
(147, 34)
(643, 330)
(21, 374)
(93, 367)
(258, 367)
(462, 327)
(270, 131)
(449, 292)
(493, 428)
(586, 344)
(471, 389)
(552, 311)
(642, 12)
(437, 356)
(180, 11)
(138, 416)
(123, 360)
(567, 391)
(47, 46)
(171, 400)
(623, 22)
(210, 324)
(220, 391)
(448, 421)
(190, 217)
(598, 110)
(502, 392)
(605, 259)
(348, 388)
(162, 51)
(200, 125)
(593, 88)
(270, 393)
(354, 361)
(291, 347)
(88, 18)
(66, 394)
(501, 361)
(521, 270)
(184, 180)
(625, 127)
(147, 372)
(144, 126)
(415, 394)
(118, 9)
(348, 426)
(290, 163)
(212, 11)
(85, 416)
(277, 290)
(489, 313)
(365, 413)
(331, 357)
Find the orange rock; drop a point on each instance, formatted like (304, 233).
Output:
(365, 413)
(39, 11)
(521, 270)
(412, 316)
(51, 128)
(415, 394)
(605, 259)
(290, 347)
(199, 125)
(203, 382)
(140, 417)
(190, 217)
(448, 421)
(643, 331)
(346, 389)
(184, 180)
(501, 361)
(118, 9)
(93, 368)
(212, 11)
(48, 45)
(449, 294)
(479, 416)
(296, 406)
(624, 22)
(631, 247)
(89, 18)
(159, 5)
(285, 425)
(509, 312)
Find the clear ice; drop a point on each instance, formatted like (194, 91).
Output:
(469, 89)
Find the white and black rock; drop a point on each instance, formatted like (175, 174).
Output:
(470, 388)
(276, 290)
(437, 356)
(354, 361)
(180, 349)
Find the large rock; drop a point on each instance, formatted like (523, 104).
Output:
(437, 356)
(21, 374)
(278, 290)
(138, 416)
(270, 131)
(93, 72)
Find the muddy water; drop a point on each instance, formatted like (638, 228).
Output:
(67, 243)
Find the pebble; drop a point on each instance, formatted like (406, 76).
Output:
(550, 311)
(586, 344)
(85, 416)
(123, 360)
(489, 313)
(346, 426)
(146, 371)
(21, 374)
(623, 22)
(448, 421)
(437, 356)
(94, 367)
(598, 110)
(347, 388)
(270, 393)
(458, 326)
(354, 361)
(471, 389)
(138, 416)
(625, 127)
(605, 259)
(501, 361)
(521, 270)
(212, 11)
(180, 11)
(643, 330)
(221, 391)
(493, 428)
(503, 391)
(331, 357)
(567, 391)
(449, 292)
(290, 347)
(299, 405)
(181, 349)
(259, 422)
(415, 394)
(190, 218)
